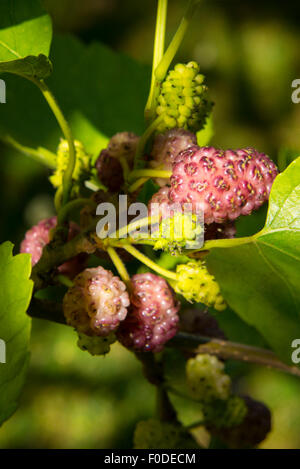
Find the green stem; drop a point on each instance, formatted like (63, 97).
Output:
(58, 199)
(67, 179)
(152, 265)
(65, 211)
(119, 266)
(64, 280)
(41, 155)
(137, 184)
(159, 47)
(125, 230)
(200, 423)
(151, 173)
(125, 167)
(144, 138)
(170, 53)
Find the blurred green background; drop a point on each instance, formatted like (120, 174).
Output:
(249, 53)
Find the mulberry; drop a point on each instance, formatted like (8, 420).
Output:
(82, 167)
(154, 434)
(39, 235)
(183, 99)
(224, 184)
(251, 431)
(196, 284)
(206, 378)
(167, 146)
(97, 302)
(152, 319)
(96, 345)
(108, 166)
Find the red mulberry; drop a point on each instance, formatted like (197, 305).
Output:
(97, 302)
(39, 235)
(224, 184)
(153, 319)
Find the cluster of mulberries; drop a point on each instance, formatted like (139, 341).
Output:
(39, 235)
(196, 284)
(97, 302)
(223, 184)
(183, 100)
(108, 166)
(152, 319)
(155, 434)
(207, 379)
(82, 166)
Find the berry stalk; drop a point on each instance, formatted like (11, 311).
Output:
(137, 184)
(67, 179)
(230, 350)
(134, 226)
(65, 211)
(172, 50)
(149, 173)
(145, 137)
(148, 262)
(119, 266)
(159, 48)
(63, 280)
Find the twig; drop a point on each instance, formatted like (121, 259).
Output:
(231, 350)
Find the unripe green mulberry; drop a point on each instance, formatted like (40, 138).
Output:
(225, 414)
(154, 434)
(206, 378)
(196, 284)
(96, 345)
(82, 167)
(183, 99)
(179, 231)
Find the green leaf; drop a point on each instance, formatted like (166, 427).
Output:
(25, 38)
(15, 294)
(100, 91)
(259, 275)
(32, 67)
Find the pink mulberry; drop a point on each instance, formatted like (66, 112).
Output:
(224, 184)
(152, 319)
(39, 235)
(97, 302)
